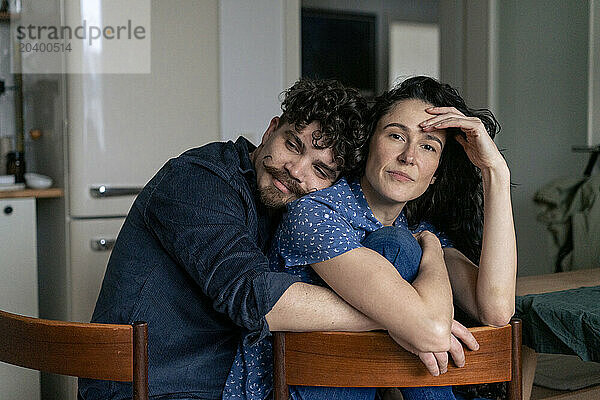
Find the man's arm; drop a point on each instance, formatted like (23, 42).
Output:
(304, 307)
(200, 220)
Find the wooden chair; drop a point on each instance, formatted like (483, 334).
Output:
(97, 351)
(373, 359)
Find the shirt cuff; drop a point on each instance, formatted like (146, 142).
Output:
(269, 287)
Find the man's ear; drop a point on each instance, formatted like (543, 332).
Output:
(433, 180)
(270, 129)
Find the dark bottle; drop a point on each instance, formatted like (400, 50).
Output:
(15, 165)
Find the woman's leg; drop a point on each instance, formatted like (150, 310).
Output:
(333, 393)
(401, 248)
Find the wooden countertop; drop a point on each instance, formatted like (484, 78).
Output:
(4, 16)
(37, 193)
(558, 281)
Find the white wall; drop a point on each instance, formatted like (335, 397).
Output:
(259, 58)
(528, 62)
(594, 75)
(414, 50)
(542, 107)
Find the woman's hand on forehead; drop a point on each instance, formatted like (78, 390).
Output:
(479, 146)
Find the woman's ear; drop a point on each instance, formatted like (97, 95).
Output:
(433, 180)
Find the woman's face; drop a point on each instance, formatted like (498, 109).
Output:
(402, 157)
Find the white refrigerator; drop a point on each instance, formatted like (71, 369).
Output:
(120, 129)
(123, 127)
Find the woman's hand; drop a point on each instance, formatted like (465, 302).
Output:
(461, 334)
(492, 287)
(431, 246)
(478, 144)
(437, 363)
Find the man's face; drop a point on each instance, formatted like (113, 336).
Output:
(288, 165)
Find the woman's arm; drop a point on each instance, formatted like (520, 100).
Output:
(420, 314)
(498, 263)
(489, 292)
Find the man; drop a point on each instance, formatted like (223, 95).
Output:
(190, 260)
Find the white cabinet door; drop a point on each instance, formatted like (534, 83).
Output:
(90, 249)
(18, 286)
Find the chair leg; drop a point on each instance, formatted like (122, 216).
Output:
(515, 386)
(280, 388)
(140, 361)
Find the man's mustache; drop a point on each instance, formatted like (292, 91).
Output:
(285, 178)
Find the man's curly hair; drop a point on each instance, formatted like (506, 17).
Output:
(454, 203)
(340, 111)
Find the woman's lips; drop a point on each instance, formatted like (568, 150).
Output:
(400, 176)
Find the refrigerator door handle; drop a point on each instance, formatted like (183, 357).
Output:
(102, 244)
(102, 191)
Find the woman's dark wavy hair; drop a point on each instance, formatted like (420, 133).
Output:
(454, 203)
(339, 110)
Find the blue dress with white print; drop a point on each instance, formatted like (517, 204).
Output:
(317, 227)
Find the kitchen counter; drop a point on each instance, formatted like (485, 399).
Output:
(36, 193)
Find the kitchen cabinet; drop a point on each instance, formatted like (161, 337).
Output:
(18, 285)
(19, 277)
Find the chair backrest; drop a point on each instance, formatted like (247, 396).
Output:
(373, 359)
(96, 351)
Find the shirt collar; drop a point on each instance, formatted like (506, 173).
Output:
(363, 204)
(244, 148)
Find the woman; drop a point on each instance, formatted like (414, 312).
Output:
(431, 163)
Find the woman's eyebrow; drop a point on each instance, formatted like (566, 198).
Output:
(431, 137)
(405, 129)
(397, 125)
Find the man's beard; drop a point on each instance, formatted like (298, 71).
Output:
(272, 197)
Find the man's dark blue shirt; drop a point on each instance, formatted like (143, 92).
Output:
(190, 261)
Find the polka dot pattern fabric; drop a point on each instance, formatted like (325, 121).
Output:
(318, 227)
